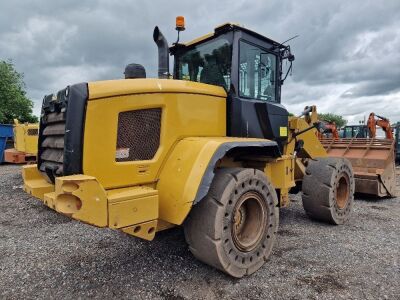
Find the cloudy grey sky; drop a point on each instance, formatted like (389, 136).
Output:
(347, 55)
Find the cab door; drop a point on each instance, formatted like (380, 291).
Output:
(253, 105)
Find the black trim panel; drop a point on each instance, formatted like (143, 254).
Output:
(256, 119)
(221, 152)
(74, 128)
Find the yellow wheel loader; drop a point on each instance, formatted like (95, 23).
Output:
(25, 143)
(209, 147)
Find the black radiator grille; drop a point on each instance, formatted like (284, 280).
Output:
(52, 145)
(138, 134)
(61, 131)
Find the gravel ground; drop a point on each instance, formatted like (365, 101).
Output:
(47, 255)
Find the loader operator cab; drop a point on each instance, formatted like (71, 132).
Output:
(249, 67)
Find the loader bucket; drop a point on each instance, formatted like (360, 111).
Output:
(373, 163)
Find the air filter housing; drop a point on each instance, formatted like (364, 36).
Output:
(133, 71)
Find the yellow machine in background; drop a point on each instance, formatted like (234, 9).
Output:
(25, 144)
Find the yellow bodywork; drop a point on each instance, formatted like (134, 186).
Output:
(183, 172)
(26, 137)
(281, 174)
(34, 182)
(143, 197)
(140, 197)
(178, 101)
(312, 146)
(81, 197)
(136, 210)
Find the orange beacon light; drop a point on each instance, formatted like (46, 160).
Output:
(180, 23)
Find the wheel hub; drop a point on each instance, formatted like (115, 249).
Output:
(249, 220)
(342, 191)
(240, 217)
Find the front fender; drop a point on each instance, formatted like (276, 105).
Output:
(189, 170)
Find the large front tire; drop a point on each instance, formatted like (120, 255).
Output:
(234, 227)
(328, 190)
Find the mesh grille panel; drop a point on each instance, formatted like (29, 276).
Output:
(138, 134)
(33, 131)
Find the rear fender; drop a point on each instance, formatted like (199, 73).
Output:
(189, 170)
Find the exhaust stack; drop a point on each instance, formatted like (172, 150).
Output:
(163, 53)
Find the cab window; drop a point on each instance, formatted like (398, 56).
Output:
(209, 62)
(348, 132)
(257, 73)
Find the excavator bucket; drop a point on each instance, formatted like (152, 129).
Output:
(373, 162)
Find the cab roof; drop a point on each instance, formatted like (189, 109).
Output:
(226, 27)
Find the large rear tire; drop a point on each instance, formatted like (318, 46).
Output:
(328, 190)
(234, 227)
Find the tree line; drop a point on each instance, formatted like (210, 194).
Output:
(14, 104)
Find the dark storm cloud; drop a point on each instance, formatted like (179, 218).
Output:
(347, 54)
(373, 88)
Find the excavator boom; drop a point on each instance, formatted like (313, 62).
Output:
(382, 122)
(329, 128)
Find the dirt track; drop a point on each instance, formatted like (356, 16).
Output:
(47, 255)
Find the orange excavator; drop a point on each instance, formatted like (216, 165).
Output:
(328, 128)
(382, 122)
(370, 129)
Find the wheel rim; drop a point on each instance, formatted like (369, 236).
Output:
(248, 222)
(342, 191)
